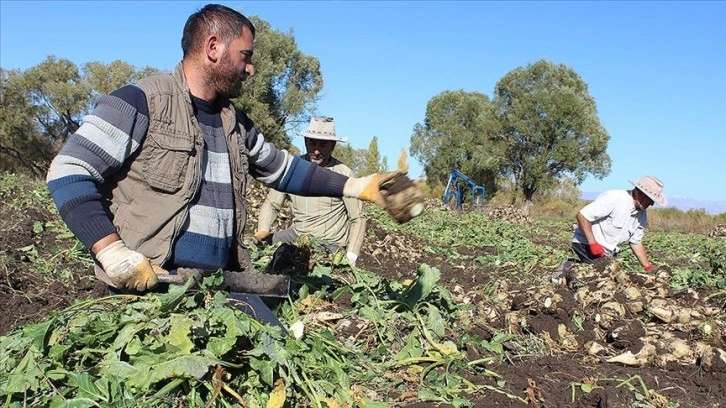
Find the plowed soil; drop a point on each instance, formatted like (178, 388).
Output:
(557, 376)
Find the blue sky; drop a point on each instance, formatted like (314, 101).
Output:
(657, 70)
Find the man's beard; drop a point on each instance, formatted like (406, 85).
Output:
(321, 161)
(226, 82)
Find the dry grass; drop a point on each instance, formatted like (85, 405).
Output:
(691, 221)
(659, 219)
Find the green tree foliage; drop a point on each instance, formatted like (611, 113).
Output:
(60, 95)
(283, 93)
(373, 162)
(361, 161)
(455, 135)
(105, 78)
(22, 147)
(346, 154)
(44, 105)
(549, 124)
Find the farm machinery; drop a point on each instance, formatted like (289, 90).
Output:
(454, 190)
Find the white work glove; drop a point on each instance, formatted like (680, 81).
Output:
(368, 188)
(129, 269)
(351, 258)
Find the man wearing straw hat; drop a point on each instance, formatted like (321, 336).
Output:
(339, 221)
(614, 217)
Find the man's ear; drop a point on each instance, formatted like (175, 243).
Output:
(213, 48)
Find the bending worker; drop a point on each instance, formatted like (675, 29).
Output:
(614, 217)
(338, 221)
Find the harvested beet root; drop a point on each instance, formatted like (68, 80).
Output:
(404, 200)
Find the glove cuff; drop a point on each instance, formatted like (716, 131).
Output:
(354, 186)
(115, 250)
(352, 257)
(118, 261)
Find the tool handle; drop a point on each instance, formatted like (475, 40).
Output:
(173, 279)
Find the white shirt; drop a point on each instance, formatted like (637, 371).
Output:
(614, 220)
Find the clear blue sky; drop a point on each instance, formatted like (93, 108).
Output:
(657, 70)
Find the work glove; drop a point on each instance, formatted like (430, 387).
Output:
(351, 258)
(261, 236)
(368, 188)
(597, 249)
(129, 269)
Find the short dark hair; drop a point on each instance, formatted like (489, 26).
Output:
(213, 19)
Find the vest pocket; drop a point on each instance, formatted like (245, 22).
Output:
(166, 161)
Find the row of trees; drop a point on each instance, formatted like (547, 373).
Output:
(540, 126)
(362, 161)
(43, 105)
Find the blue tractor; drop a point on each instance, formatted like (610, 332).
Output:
(453, 190)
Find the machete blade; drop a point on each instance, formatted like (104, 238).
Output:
(261, 284)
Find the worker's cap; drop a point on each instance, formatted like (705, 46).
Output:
(323, 128)
(653, 188)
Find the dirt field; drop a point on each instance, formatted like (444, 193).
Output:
(549, 379)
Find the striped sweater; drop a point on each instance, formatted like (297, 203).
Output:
(112, 134)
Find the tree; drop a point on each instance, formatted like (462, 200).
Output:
(45, 104)
(22, 147)
(361, 161)
(548, 122)
(372, 162)
(60, 96)
(402, 163)
(346, 154)
(105, 78)
(283, 93)
(455, 135)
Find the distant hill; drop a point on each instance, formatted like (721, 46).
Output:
(682, 203)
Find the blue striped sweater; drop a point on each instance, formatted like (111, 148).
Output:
(113, 132)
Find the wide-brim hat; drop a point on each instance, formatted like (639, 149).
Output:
(323, 128)
(653, 188)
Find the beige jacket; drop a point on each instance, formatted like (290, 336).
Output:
(338, 221)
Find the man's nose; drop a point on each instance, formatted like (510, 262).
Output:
(250, 70)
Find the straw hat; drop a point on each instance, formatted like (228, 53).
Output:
(323, 128)
(653, 188)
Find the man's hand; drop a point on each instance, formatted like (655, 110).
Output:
(648, 267)
(597, 249)
(129, 269)
(368, 188)
(351, 258)
(261, 236)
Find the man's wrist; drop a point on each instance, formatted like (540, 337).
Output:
(104, 242)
